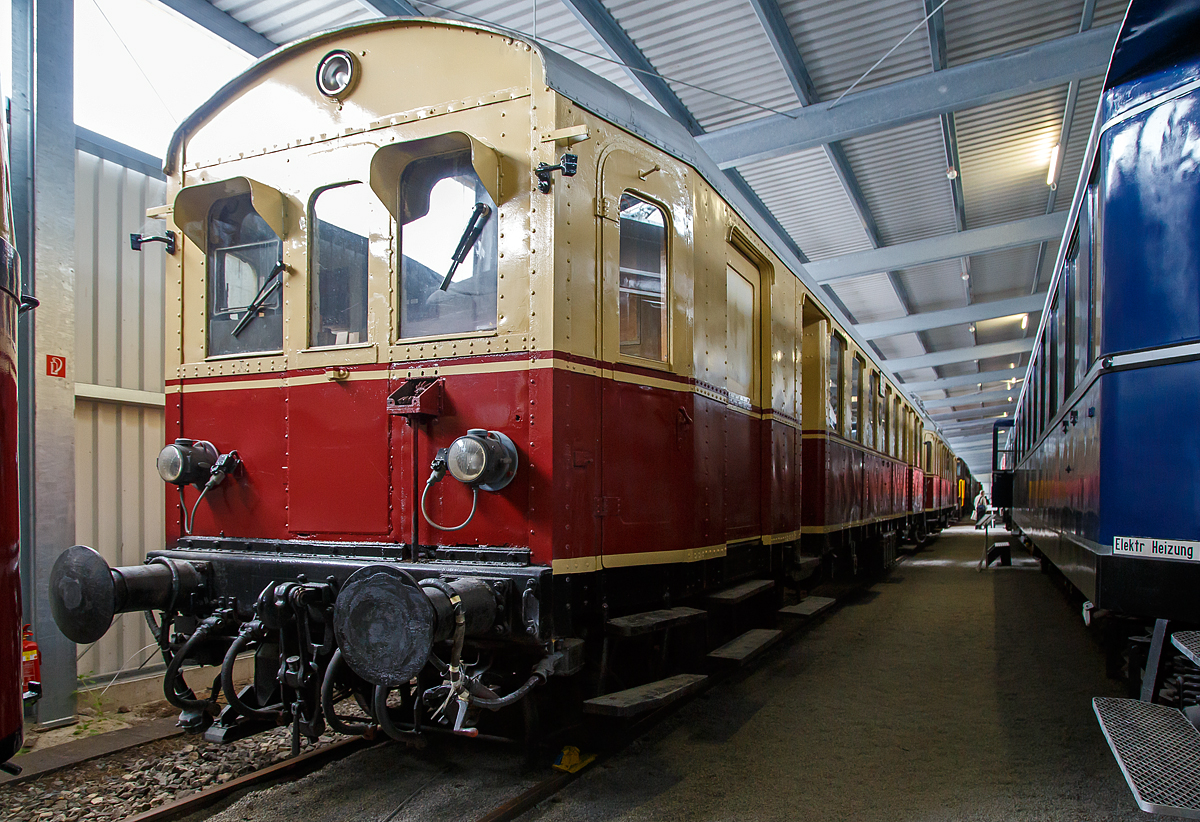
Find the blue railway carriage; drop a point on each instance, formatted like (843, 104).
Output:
(1107, 478)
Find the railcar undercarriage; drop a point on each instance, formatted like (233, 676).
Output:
(419, 645)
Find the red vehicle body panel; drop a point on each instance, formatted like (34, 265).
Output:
(11, 706)
(656, 470)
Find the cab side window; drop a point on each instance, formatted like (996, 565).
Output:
(643, 279)
(245, 272)
(342, 218)
(448, 246)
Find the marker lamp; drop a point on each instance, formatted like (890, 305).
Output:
(483, 459)
(187, 461)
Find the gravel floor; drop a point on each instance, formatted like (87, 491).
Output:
(129, 782)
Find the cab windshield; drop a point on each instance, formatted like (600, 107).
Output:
(448, 245)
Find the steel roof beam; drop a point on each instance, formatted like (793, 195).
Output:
(942, 247)
(229, 29)
(990, 80)
(943, 383)
(967, 399)
(608, 33)
(952, 316)
(959, 428)
(969, 354)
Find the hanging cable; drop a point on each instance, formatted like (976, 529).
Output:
(470, 516)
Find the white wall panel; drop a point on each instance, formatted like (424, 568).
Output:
(119, 344)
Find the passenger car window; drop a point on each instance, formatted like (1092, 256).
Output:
(855, 398)
(245, 273)
(643, 280)
(341, 221)
(833, 375)
(740, 333)
(448, 247)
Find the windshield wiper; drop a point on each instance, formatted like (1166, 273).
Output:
(470, 236)
(274, 280)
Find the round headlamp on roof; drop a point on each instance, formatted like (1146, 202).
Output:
(337, 73)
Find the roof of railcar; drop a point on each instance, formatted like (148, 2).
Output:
(590, 92)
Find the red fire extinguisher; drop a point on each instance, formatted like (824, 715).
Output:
(31, 661)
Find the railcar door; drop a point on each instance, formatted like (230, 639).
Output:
(647, 412)
(337, 423)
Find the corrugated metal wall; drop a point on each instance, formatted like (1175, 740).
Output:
(119, 380)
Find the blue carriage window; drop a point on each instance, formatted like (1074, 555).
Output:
(449, 244)
(245, 273)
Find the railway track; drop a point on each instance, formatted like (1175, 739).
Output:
(195, 806)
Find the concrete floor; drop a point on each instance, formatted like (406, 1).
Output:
(942, 694)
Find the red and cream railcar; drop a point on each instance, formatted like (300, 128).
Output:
(939, 479)
(415, 247)
(12, 718)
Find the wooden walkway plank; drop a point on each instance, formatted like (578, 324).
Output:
(742, 592)
(746, 647)
(808, 607)
(645, 697)
(650, 621)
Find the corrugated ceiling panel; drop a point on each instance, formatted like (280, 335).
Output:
(902, 175)
(935, 286)
(715, 46)
(804, 194)
(983, 28)
(1004, 153)
(556, 26)
(1008, 273)
(902, 345)
(841, 41)
(282, 21)
(870, 298)
(1081, 128)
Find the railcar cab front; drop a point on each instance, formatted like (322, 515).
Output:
(345, 237)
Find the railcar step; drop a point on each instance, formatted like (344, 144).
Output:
(1158, 750)
(749, 645)
(740, 593)
(645, 697)
(1188, 642)
(804, 567)
(808, 607)
(651, 621)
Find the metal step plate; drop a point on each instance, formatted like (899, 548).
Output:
(739, 593)
(650, 621)
(809, 606)
(747, 646)
(1158, 751)
(1188, 643)
(644, 697)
